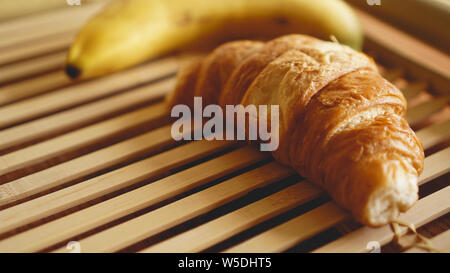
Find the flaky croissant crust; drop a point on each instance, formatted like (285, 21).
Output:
(341, 124)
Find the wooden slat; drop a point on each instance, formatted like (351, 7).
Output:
(411, 90)
(435, 165)
(392, 74)
(213, 232)
(34, 27)
(81, 93)
(434, 134)
(74, 117)
(426, 109)
(419, 58)
(34, 86)
(43, 46)
(149, 224)
(80, 138)
(32, 67)
(26, 39)
(85, 191)
(309, 224)
(85, 165)
(427, 209)
(441, 242)
(293, 231)
(97, 215)
(23, 40)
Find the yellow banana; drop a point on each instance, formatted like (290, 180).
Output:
(128, 32)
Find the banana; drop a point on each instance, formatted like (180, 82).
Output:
(128, 32)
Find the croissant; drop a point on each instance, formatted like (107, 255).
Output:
(341, 124)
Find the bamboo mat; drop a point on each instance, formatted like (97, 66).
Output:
(94, 161)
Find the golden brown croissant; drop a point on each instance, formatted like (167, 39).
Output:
(341, 125)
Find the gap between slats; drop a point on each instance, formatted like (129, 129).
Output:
(33, 87)
(315, 221)
(39, 47)
(32, 67)
(293, 231)
(441, 242)
(426, 210)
